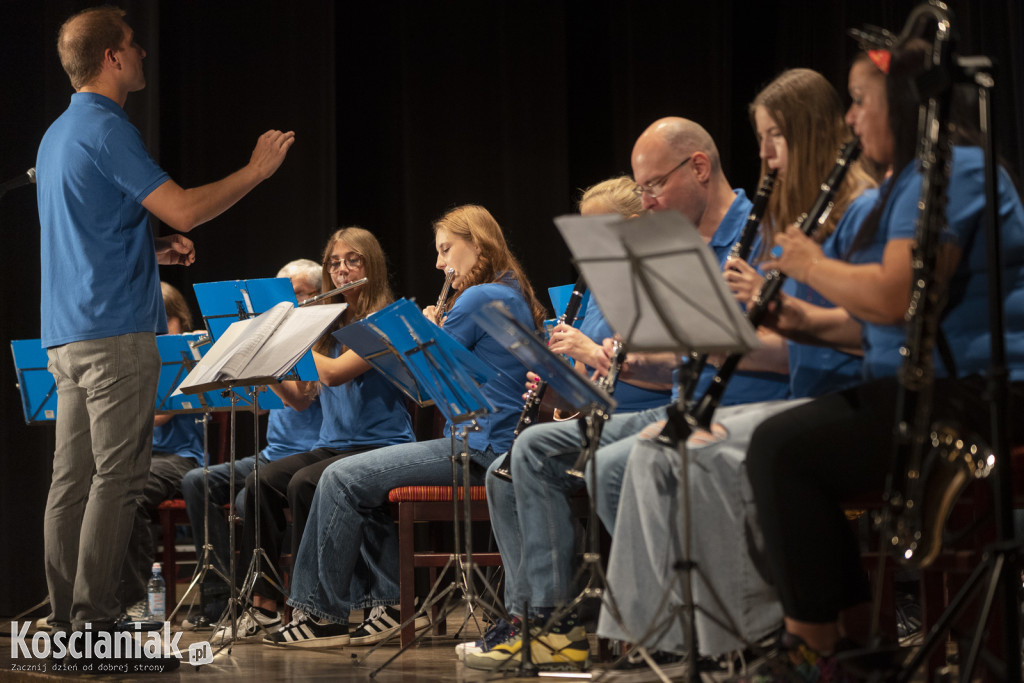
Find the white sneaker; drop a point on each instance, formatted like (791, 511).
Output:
(252, 624)
(138, 611)
(498, 633)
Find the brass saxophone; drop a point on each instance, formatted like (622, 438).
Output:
(449, 275)
(933, 462)
(607, 383)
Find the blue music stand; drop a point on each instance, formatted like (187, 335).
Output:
(223, 303)
(421, 359)
(559, 296)
(450, 375)
(179, 354)
(522, 343)
(35, 383)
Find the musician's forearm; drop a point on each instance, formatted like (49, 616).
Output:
(652, 368)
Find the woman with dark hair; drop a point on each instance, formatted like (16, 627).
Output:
(804, 462)
(361, 409)
(350, 526)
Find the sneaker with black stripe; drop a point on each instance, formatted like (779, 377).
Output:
(382, 622)
(309, 632)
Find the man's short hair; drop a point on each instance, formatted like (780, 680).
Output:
(83, 39)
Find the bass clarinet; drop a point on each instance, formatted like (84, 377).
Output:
(809, 223)
(531, 407)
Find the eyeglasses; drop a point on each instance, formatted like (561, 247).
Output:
(351, 262)
(653, 189)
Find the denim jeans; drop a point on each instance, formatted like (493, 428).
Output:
(220, 491)
(536, 539)
(729, 587)
(348, 558)
(106, 392)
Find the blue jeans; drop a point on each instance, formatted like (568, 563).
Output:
(348, 558)
(106, 391)
(725, 542)
(536, 539)
(220, 491)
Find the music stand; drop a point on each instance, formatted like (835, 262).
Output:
(179, 353)
(36, 385)
(228, 309)
(583, 396)
(660, 288)
(427, 364)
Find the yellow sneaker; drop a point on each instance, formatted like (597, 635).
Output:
(564, 649)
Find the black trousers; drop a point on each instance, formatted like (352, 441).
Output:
(805, 462)
(286, 483)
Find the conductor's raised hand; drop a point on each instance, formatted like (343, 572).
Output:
(175, 250)
(271, 149)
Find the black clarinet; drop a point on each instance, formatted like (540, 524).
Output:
(740, 250)
(595, 419)
(809, 222)
(531, 407)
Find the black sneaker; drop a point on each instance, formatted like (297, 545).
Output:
(382, 622)
(309, 632)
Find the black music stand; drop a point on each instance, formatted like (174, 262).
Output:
(583, 396)
(427, 364)
(250, 354)
(660, 288)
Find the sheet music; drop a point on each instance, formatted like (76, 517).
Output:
(262, 349)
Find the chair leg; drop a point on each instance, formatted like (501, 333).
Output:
(406, 570)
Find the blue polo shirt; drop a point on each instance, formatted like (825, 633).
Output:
(816, 370)
(365, 411)
(181, 435)
(505, 390)
(744, 387)
(965, 321)
(292, 431)
(99, 270)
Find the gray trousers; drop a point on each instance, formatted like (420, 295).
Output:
(106, 392)
(648, 542)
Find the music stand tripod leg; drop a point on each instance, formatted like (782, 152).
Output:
(204, 562)
(243, 595)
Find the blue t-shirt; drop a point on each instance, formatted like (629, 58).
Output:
(628, 396)
(965, 320)
(181, 435)
(505, 390)
(292, 431)
(817, 370)
(743, 387)
(365, 411)
(99, 270)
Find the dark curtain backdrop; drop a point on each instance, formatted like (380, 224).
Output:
(403, 110)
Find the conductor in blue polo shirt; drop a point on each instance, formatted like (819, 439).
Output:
(102, 308)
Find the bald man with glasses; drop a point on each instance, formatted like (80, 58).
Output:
(677, 167)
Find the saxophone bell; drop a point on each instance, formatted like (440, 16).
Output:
(947, 468)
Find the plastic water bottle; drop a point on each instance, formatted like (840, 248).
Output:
(156, 591)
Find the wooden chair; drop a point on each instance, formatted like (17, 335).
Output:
(413, 504)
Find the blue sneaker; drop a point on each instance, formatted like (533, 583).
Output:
(502, 631)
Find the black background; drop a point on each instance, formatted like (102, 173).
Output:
(401, 111)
